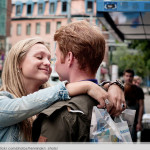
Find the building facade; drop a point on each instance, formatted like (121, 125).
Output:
(43, 17)
(30, 18)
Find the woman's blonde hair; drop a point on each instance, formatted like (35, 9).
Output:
(12, 76)
(137, 78)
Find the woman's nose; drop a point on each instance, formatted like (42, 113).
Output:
(46, 62)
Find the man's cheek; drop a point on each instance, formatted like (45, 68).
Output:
(55, 66)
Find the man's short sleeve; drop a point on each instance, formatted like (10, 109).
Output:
(140, 93)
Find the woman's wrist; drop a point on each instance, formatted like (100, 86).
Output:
(77, 88)
(89, 87)
(105, 85)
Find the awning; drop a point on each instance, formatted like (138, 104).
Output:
(129, 19)
(129, 25)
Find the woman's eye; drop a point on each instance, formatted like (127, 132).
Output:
(39, 57)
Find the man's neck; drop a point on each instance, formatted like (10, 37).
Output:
(75, 74)
(80, 75)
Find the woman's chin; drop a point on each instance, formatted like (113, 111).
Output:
(44, 80)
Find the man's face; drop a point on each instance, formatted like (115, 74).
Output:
(128, 78)
(61, 65)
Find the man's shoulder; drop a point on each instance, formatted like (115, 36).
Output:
(140, 93)
(74, 114)
(82, 103)
(84, 98)
(139, 88)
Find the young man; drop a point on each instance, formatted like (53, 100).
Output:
(80, 50)
(135, 100)
(128, 76)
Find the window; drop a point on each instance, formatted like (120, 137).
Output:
(18, 9)
(64, 6)
(47, 27)
(30, 6)
(18, 29)
(19, 6)
(89, 6)
(40, 8)
(58, 25)
(52, 8)
(29, 9)
(28, 29)
(2, 43)
(37, 28)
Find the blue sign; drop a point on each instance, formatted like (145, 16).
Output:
(111, 6)
(123, 5)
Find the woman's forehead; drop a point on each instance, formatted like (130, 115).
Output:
(39, 48)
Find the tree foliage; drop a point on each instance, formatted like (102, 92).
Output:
(125, 59)
(144, 46)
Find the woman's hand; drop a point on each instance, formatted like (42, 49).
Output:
(101, 96)
(116, 96)
(92, 89)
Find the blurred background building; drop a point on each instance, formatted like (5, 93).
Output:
(120, 22)
(42, 18)
(5, 18)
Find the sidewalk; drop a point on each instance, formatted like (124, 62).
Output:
(147, 103)
(147, 109)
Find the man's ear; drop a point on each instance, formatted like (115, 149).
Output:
(70, 58)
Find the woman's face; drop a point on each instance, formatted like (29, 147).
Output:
(35, 66)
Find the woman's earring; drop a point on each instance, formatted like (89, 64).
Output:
(18, 71)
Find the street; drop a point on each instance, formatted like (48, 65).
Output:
(147, 103)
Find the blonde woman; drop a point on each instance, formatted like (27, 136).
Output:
(25, 92)
(137, 80)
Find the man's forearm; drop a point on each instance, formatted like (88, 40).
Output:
(141, 108)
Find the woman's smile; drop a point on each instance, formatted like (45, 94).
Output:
(46, 70)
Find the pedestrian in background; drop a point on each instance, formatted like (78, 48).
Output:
(135, 100)
(25, 75)
(137, 80)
